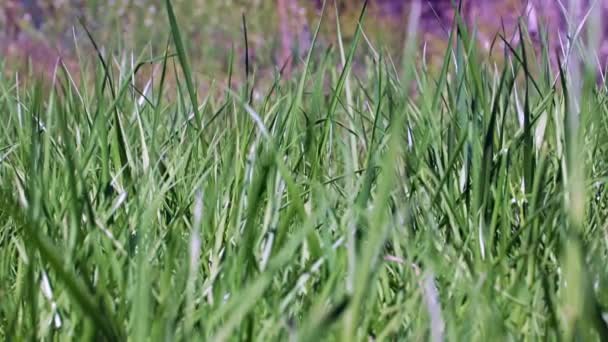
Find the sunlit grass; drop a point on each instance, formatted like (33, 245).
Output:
(328, 206)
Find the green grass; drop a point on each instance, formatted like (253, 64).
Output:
(332, 206)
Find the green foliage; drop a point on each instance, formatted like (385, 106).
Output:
(332, 206)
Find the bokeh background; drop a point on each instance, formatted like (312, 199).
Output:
(40, 31)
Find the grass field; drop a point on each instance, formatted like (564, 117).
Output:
(467, 204)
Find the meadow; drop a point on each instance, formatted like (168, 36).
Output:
(367, 196)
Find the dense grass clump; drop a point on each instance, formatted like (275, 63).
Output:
(398, 205)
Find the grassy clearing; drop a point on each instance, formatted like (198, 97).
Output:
(475, 210)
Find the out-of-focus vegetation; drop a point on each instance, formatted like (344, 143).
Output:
(213, 29)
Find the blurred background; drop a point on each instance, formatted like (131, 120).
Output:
(279, 31)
